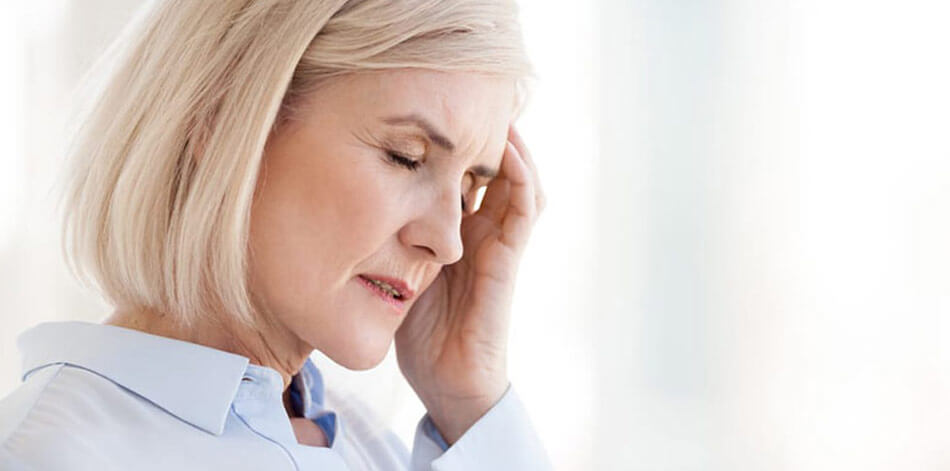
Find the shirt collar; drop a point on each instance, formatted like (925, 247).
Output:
(193, 382)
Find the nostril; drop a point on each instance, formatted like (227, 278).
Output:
(428, 249)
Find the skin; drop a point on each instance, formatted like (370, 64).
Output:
(331, 205)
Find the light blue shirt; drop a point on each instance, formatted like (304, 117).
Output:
(101, 397)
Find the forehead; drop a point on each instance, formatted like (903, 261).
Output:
(468, 108)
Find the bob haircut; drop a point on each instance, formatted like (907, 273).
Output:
(164, 162)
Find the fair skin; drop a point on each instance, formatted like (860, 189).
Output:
(331, 205)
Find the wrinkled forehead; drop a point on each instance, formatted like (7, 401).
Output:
(468, 108)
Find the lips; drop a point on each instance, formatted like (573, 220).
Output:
(405, 292)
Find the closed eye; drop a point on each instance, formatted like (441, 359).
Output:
(413, 165)
(405, 162)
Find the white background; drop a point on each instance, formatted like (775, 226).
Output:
(745, 259)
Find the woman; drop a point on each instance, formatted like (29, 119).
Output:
(264, 179)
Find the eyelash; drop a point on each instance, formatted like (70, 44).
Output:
(400, 160)
(412, 165)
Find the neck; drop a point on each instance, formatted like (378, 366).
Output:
(266, 345)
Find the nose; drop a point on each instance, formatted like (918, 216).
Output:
(436, 228)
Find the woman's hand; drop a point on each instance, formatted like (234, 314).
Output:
(452, 346)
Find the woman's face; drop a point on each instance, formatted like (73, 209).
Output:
(332, 205)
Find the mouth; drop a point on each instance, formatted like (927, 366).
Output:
(391, 290)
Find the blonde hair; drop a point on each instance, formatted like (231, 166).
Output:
(164, 166)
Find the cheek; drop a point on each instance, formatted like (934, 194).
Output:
(356, 214)
(358, 200)
(319, 224)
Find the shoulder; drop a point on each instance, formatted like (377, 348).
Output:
(60, 406)
(15, 409)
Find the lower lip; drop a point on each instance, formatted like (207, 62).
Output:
(397, 304)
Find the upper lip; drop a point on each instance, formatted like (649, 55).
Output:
(404, 290)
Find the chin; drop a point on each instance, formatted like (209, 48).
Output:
(366, 356)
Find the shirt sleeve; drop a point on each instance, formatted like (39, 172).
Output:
(8, 461)
(432, 432)
(502, 439)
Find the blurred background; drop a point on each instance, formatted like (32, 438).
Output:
(745, 259)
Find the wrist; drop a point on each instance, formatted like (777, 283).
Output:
(453, 416)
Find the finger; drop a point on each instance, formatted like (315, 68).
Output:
(495, 200)
(515, 137)
(521, 212)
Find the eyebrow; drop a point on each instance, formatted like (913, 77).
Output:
(438, 139)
